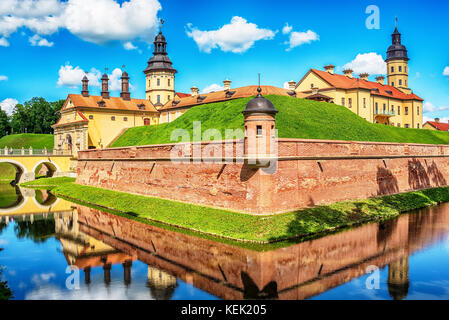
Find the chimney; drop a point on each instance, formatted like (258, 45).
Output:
(315, 90)
(329, 68)
(437, 120)
(85, 91)
(227, 85)
(195, 91)
(292, 85)
(380, 79)
(364, 76)
(104, 86)
(125, 95)
(348, 72)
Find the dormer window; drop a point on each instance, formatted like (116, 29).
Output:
(229, 94)
(201, 98)
(141, 106)
(101, 104)
(291, 93)
(175, 103)
(389, 92)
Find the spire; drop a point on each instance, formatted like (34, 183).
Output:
(397, 51)
(160, 60)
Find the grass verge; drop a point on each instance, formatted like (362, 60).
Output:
(48, 182)
(247, 228)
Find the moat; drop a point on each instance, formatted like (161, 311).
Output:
(118, 258)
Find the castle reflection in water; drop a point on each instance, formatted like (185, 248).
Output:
(94, 239)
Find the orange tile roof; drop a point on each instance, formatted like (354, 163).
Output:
(343, 82)
(439, 125)
(183, 95)
(242, 92)
(116, 103)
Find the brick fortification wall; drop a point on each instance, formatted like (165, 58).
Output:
(309, 172)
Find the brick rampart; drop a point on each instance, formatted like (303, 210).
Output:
(309, 172)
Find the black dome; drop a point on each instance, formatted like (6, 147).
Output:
(397, 51)
(160, 60)
(260, 105)
(160, 37)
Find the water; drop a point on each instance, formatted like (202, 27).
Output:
(116, 258)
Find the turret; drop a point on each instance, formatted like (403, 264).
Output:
(397, 63)
(105, 86)
(85, 91)
(160, 74)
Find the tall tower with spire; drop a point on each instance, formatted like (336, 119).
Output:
(397, 63)
(160, 74)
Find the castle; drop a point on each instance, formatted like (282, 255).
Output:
(90, 122)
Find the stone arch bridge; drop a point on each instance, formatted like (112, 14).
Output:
(26, 164)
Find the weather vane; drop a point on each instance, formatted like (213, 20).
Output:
(161, 23)
(396, 21)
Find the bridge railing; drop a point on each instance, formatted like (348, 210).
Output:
(33, 152)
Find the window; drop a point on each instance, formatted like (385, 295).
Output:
(406, 125)
(343, 102)
(158, 99)
(385, 108)
(400, 82)
(418, 125)
(400, 68)
(350, 102)
(169, 82)
(392, 84)
(399, 110)
(91, 117)
(259, 130)
(405, 82)
(125, 118)
(377, 108)
(158, 82)
(364, 102)
(113, 118)
(417, 110)
(149, 83)
(405, 69)
(169, 97)
(406, 111)
(392, 69)
(147, 121)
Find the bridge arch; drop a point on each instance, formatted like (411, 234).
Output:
(51, 166)
(20, 168)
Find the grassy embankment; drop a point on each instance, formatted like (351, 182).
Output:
(297, 118)
(17, 141)
(242, 227)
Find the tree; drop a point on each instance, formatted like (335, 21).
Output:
(4, 124)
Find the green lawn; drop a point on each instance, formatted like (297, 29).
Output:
(26, 140)
(7, 172)
(297, 118)
(243, 227)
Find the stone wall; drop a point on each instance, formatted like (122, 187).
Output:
(309, 172)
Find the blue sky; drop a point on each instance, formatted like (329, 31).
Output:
(44, 44)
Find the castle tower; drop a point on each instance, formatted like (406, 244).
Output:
(398, 281)
(260, 134)
(160, 74)
(397, 63)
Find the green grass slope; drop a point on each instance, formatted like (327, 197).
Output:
(297, 118)
(26, 140)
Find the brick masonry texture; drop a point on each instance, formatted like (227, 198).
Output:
(297, 182)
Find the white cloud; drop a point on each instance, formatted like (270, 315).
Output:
(212, 87)
(428, 107)
(129, 46)
(371, 63)
(37, 40)
(4, 42)
(3, 78)
(300, 38)
(71, 77)
(237, 36)
(97, 21)
(287, 29)
(8, 105)
(446, 71)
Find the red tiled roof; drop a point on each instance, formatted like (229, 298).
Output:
(439, 125)
(242, 92)
(343, 82)
(183, 95)
(116, 103)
